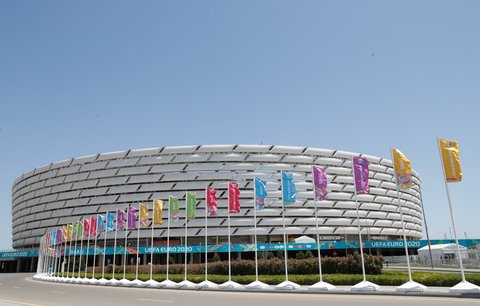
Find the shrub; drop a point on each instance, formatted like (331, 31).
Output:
(330, 265)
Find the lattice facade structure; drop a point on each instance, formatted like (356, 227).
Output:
(65, 191)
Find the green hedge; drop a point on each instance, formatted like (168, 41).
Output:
(275, 266)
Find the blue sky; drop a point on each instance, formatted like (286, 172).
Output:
(82, 77)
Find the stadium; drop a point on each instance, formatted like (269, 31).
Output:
(67, 191)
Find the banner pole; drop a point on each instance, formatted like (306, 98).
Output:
(168, 236)
(69, 252)
(105, 244)
(451, 215)
(81, 249)
(284, 231)
(229, 242)
(186, 235)
(115, 244)
(88, 247)
(206, 235)
(95, 250)
(358, 223)
(65, 251)
(255, 227)
(401, 217)
(75, 249)
(151, 244)
(125, 248)
(137, 256)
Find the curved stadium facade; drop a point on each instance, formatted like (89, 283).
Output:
(64, 192)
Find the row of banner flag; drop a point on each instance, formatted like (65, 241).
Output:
(127, 220)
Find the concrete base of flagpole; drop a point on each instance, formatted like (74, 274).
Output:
(102, 282)
(230, 285)
(114, 282)
(77, 280)
(93, 281)
(186, 284)
(85, 281)
(257, 285)
(365, 286)
(206, 284)
(138, 283)
(322, 286)
(125, 282)
(464, 287)
(66, 280)
(168, 284)
(287, 285)
(152, 284)
(411, 286)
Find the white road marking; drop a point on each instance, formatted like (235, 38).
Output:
(15, 287)
(160, 301)
(57, 292)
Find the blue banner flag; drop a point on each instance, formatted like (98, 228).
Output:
(260, 193)
(53, 237)
(110, 220)
(100, 223)
(288, 188)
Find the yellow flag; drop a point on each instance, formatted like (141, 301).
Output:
(144, 215)
(451, 161)
(157, 211)
(69, 232)
(403, 170)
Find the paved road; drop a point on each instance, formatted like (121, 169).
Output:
(20, 289)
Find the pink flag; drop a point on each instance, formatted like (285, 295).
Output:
(233, 197)
(320, 183)
(93, 226)
(212, 203)
(86, 227)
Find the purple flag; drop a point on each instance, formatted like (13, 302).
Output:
(360, 175)
(59, 236)
(132, 218)
(120, 219)
(320, 183)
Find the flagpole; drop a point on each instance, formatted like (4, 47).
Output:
(65, 253)
(55, 256)
(229, 242)
(137, 257)
(358, 223)
(206, 229)
(186, 235)
(125, 248)
(70, 253)
(81, 250)
(401, 217)
(168, 238)
(284, 231)
(95, 250)
(151, 244)
(105, 244)
(115, 244)
(255, 227)
(88, 247)
(451, 215)
(75, 250)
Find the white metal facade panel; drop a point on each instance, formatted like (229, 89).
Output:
(102, 182)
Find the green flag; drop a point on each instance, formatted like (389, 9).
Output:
(191, 205)
(78, 230)
(173, 208)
